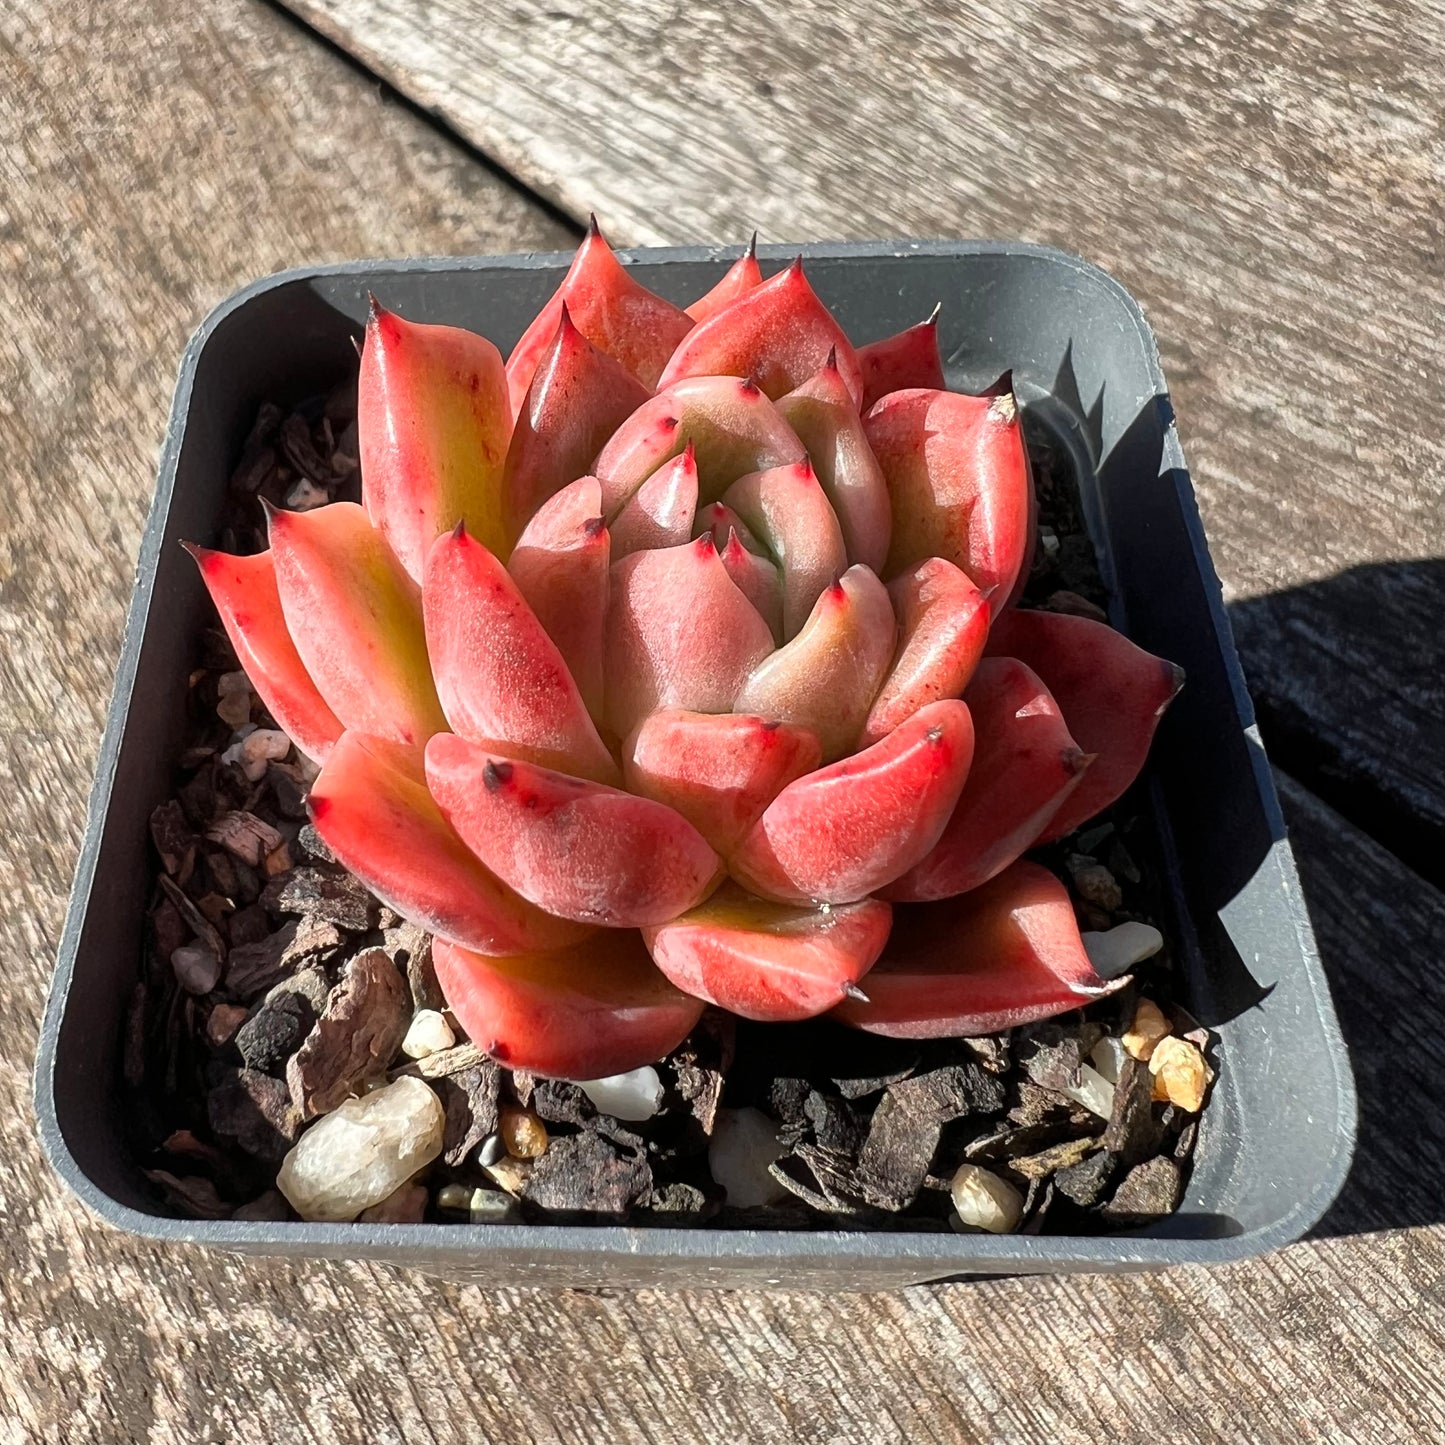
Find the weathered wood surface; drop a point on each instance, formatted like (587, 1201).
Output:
(1266, 178)
(152, 158)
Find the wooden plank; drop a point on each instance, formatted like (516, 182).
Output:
(1265, 178)
(154, 158)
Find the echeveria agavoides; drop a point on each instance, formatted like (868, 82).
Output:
(677, 661)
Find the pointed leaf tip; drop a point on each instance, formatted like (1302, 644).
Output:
(1005, 954)
(373, 307)
(1111, 692)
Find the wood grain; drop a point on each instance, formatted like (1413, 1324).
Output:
(1265, 178)
(153, 157)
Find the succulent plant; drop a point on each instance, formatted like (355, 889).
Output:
(675, 661)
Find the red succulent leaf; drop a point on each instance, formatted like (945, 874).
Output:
(787, 510)
(1111, 692)
(433, 423)
(741, 277)
(901, 362)
(679, 634)
(845, 831)
(943, 625)
(581, 1013)
(1006, 954)
(578, 849)
(660, 512)
(578, 397)
(719, 770)
(959, 482)
(244, 592)
(1025, 767)
(826, 677)
(500, 677)
(770, 961)
(826, 420)
(757, 578)
(371, 807)
(355, 616)
(613, 310)
(778, 334)
(731, 425)
(560, 565)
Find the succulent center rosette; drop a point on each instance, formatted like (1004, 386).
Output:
(675, 662)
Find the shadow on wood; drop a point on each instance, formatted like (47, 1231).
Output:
(1348, 678)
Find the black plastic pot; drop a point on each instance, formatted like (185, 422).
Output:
(1276, 1139)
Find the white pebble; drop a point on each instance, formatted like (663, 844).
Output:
(986, 1201)
(1108, 1058)
(429, 1034)
(197, 967)
(1123, 946)
(353, 1158)
(633, 1096)
(255, 748)
(491, 1206)
(306, 495)
(744, 1143)
(1093, 1091)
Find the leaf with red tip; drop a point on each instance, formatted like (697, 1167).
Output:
(778, 333)
(827, 423)
(371, 807)
(433, 421)
(719, 770)
(757, 579)
(244, 592)
(741, 277)
(560, 566)
(789, 513)
(660, 512)
(770, 961)
(1006, 954)
(501, 678)
(719, 521)
(959, 481)
(1025, 766)
(679, 634)
(845, 831)
(578, 849)
(943, 624)
(587, 1012)
(903, 361)
(613, 310)
(732, 426)
(578, 397)
(355, 617)
(826, 677)
(1111, 692)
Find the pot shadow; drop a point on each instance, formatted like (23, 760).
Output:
(1378, 921)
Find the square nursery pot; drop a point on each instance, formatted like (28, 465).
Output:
(1276, 1139)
